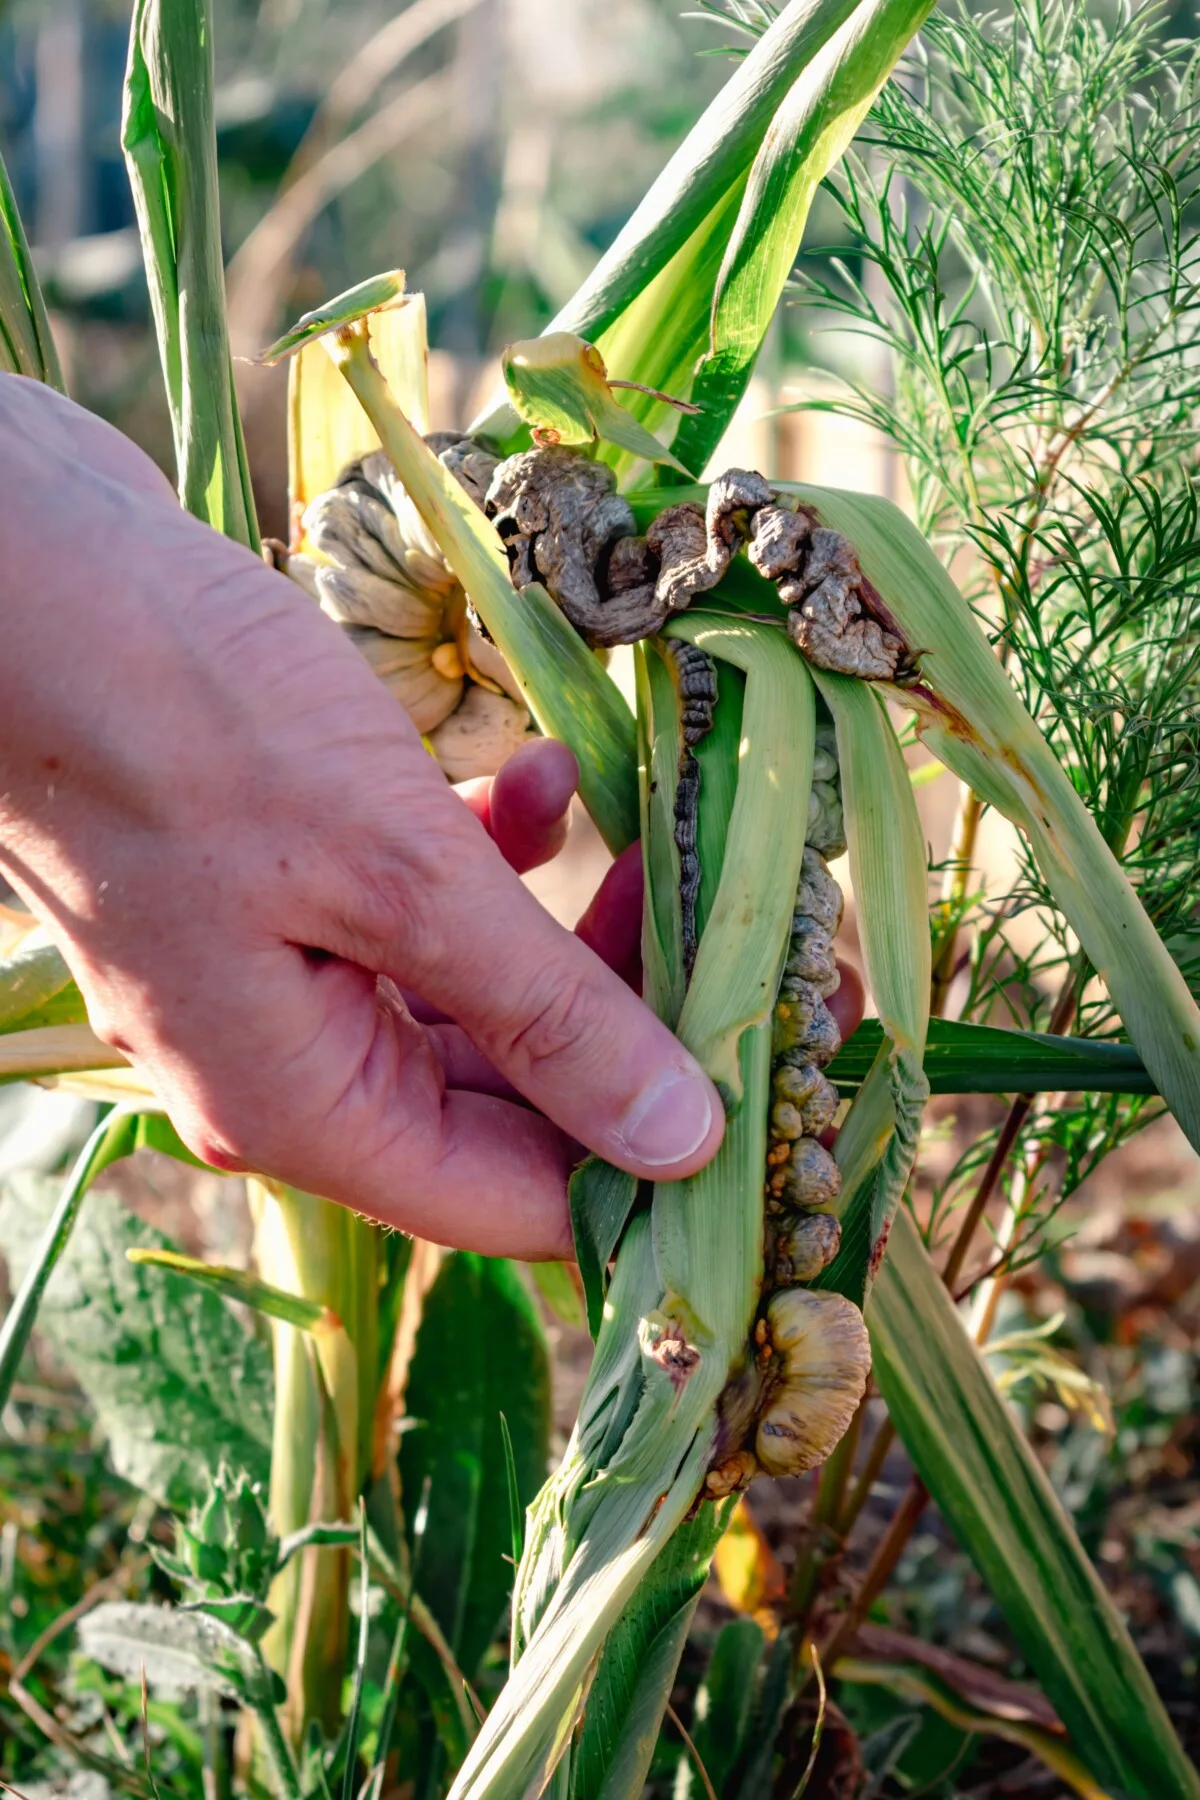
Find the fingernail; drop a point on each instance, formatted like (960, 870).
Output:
(669, 1120)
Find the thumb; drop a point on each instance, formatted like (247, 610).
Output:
(565, 1030)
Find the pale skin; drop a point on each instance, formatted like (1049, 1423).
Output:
(247, 857)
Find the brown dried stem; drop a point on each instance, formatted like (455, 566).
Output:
(1018, 1112)
(879, 1571)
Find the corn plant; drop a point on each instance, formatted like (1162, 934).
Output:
(736, 1314)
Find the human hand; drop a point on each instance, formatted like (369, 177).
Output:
(233, 832)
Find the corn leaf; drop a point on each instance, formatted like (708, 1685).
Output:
(559, 1288)
(347, 1748)
(373, 295)
(481, 1353)
(171, 154)
(37, 989)
(970, 716)
(660, 745)
(611, 1756)
(660, 742)
(662, 335)
(719, 755)
(756, 1772)
(714, 157)
(912, 1682)
(601, 1198)
(725, 1707)
(703, 177)
(26, 342)
(983, 1059)
(887, 866)
(994, 1495)
(241, 1285)
(807, 135)
(71, 1049)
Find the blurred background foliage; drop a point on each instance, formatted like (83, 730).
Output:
(490, 147)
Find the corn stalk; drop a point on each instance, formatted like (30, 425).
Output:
(325, 1392)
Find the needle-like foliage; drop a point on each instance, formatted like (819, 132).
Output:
(1024, 212)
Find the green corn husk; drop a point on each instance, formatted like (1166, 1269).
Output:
(887, 866)
(689, 1270)
(728, 996)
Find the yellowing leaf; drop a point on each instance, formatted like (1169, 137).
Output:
(748, 1572)
(327, 428)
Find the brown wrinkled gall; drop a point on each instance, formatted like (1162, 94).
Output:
(695, 677)
(732, 1475)
(564, 525)
(804, 1247)
(558, 514)
(820, 1360)
(470, 464)
(818, 897)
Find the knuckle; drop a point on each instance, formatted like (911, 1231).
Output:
(110, 1029)
(216, 1153)
(111, 1013)
(228, 1135)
